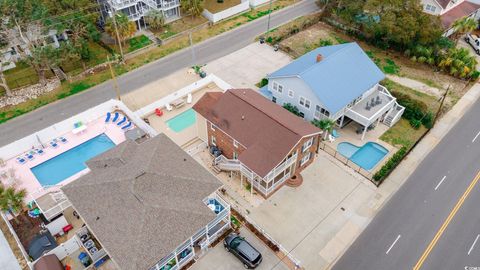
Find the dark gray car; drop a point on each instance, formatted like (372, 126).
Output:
(246, 253)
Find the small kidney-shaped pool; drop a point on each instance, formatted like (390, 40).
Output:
(367, 156)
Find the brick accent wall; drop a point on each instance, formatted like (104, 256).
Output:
(312, 152)
(223, 141)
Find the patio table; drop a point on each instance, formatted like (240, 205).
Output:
(178, 103)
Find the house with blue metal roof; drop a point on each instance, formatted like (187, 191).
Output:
(338, 82)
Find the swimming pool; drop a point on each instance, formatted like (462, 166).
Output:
(59, 168)
(367, 156)
(183, 120)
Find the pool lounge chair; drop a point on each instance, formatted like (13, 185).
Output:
(127, 126)
(62, 139)
(335, 133)
(29, 156)
(168, 107)
(115, 117)
(108, 117)
(123, 121)
(331, 138)
(189, 98)
(54, 144)
(39, 151)
(21, 160)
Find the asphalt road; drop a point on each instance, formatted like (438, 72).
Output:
(205, 52)
(401, 232)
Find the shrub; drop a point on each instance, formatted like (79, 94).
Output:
(391, 164)
(292, 108)
(325, 42)
(262, 83)
(415, 123)
(427, 120)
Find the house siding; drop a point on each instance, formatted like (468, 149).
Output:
(223, 141)
(438, 9)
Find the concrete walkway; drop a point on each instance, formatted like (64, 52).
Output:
(7, 258)
(410, 163)
(416, 85)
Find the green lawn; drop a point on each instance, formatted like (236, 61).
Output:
(138, 43)
(98, 56)
(402, 134)
(21, 76)
(431, 101)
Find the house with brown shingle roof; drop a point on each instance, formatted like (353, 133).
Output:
(450, 11)
(249, 134)
(149, 205)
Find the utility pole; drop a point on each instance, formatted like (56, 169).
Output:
(115, 84)
(269, 13)
(113, 15)
(441, 105)
(192, 49)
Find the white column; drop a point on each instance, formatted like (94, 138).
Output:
(364, 132)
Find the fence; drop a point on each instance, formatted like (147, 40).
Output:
(332, 152)
(19, 243)
(229, 12)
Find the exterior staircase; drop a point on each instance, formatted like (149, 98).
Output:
(394, 115)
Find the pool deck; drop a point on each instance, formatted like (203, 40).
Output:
(348, 134)
(23, 176)
(189, 134)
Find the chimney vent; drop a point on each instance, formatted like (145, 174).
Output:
(319, 57)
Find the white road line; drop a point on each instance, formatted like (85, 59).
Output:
(473, 245)
(439, 183)
(476, 136)
(393, 244)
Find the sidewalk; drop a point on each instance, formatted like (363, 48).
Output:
(345, 237)
(416, 85)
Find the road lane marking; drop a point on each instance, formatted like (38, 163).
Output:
(473, 245)
(441, 181)
(478, 134)
(446, 223)
(393, 244)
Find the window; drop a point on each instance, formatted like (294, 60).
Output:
(235, 143)
(214, 141)
(307, 145)
(304, 102)
(290, 93)
(301, 114)
(430, 8)
(275, 86)
(235, 155)
(305, 159)
(319, 111)
(280, 88)
(213, 127)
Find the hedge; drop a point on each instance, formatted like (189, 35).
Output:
(391, 164)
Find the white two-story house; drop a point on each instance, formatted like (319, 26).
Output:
(137, 9)
(450, 11)
(338, 82)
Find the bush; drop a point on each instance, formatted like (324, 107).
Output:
(262, 83)
(391, 164)
(292, 108)
(427, 120)
(415, 123)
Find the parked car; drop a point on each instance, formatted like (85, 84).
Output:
(474, 41)
(246, 253)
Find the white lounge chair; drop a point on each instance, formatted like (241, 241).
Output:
(169, 107)
(331, 138)
(189, 98)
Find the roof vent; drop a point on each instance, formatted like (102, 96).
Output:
(319, 58)
(140, 175)
(243, 117)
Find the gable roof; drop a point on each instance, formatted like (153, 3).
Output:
(462, 10)
(143, 200)
(268, 131)
(344, 73)
(443, 3)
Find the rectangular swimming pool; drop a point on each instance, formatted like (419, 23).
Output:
(183, 120)
(61, 167)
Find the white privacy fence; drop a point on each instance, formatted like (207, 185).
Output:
(43, 136)
(229, 12)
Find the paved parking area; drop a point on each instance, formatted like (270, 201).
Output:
(7, 259)
(218, 258)
(309, 220)
(247, 66)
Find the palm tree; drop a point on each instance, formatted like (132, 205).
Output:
(194, 7)
(11, 200)
(126, 28)
(458, 62)
(463, 26)
(325, 124)
(155, 19)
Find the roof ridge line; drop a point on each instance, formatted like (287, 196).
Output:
(264, 112)
(329, 57)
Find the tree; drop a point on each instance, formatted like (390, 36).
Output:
(463, 26)
(325, 124)
(3, 81)
(126, 28)
(45, 58)
(11, 200)
(155, 19)
(194, 7)
(458, 62)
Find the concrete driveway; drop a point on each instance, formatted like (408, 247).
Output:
(247, 66)
(309, 220)
(218, 258)
(7, 259)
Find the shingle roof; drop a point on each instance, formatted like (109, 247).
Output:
(464, 9)
(443, 3)
(143, 200)
(344, 73)
(268, 131)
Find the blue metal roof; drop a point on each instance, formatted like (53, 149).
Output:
(265, 92)
(344, 73)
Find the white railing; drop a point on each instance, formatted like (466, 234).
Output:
(280, 168)
(196, 149)
(227, 164)
(56, 210)
(120, 4)
(15, 236)
(170, 4)
(357, 117)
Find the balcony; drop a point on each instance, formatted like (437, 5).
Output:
(370, 108)
(170, 4)
(121, 4)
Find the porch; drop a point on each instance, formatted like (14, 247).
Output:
(378, 106)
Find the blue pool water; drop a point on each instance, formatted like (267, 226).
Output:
(183, 120)
(59, 168)
(366, 156)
